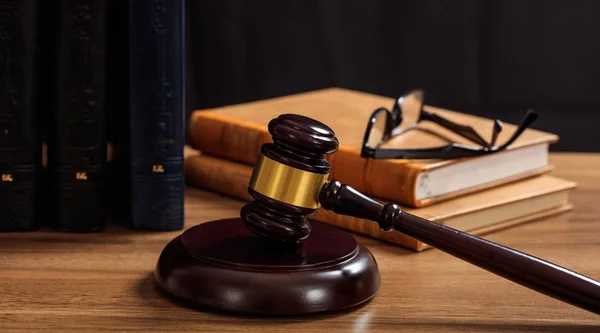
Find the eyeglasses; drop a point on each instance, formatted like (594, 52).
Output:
(384, 125)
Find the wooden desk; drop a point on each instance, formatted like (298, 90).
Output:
(88, 282)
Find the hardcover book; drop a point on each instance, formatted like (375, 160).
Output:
(19, 151)
(77, 141)
(236, 132)
(497, 208)
(156, 130)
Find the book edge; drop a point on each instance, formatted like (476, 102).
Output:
(486, 186)
(511, 223)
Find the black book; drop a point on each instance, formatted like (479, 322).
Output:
(156, 97)
(19, 149)
(77, 140)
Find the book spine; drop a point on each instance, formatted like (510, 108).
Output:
(19, 158)
(157, 134)
(226, 137)
(222, 176)
(379, 174)
(240, 141)
(77, 145)
(232, 179)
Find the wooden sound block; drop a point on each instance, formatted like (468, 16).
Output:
(221, 265)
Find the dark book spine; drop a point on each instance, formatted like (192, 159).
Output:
(156, 92)
(19, 154)
(77, 145)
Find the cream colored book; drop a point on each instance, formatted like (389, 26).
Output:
(479, 213)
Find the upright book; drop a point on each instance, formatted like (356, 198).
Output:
(497, 208)
(156, 97)
(77, 141)
(19, 151)
(236, 133)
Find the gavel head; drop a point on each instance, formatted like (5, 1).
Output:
(287, 178)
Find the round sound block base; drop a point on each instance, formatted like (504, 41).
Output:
(221, 265)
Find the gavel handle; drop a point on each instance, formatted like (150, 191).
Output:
(526, 270)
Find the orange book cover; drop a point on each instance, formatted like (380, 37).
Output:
(237, 132)
(495, 209)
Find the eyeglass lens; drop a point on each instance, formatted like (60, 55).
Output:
(378, 128)
(411, 103)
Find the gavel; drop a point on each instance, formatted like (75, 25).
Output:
(271, 260)
(290, 182)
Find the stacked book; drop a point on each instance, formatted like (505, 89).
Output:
(478, 195)
(91, 114)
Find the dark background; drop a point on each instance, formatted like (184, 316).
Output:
(488, 58)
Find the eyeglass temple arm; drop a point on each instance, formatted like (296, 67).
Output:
(463, 130)
(443, 152)
(529, 118)
(496, 131)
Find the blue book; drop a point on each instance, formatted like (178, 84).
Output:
(156, 113)
(76, 141)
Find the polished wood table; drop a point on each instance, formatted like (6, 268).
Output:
(56, 282)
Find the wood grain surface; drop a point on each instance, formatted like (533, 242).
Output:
(59, 282)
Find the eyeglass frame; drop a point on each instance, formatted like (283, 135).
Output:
(450, 151)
